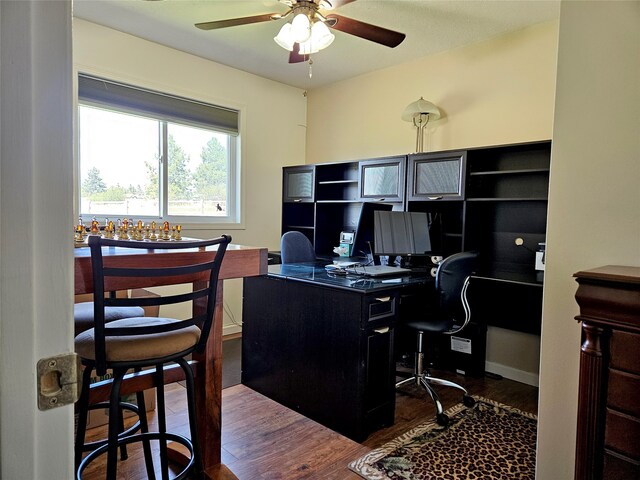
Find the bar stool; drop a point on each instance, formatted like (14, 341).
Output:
(149, 342)
(83, 316)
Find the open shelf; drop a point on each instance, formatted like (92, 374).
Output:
(300, 227)
(510, 172)
(510, 199)
(334, 182)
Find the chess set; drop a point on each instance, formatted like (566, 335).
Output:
(127, 229)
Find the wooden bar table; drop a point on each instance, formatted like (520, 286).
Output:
(239, 262)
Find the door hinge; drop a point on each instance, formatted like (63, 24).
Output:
(59, 381)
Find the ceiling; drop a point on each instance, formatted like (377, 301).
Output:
(431, 26)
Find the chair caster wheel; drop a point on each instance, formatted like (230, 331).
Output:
(442, 419)
(468, 400)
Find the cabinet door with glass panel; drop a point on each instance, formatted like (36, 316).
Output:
(437, 176)
(382, 179)
(298, 184)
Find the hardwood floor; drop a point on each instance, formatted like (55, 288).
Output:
(262, 440)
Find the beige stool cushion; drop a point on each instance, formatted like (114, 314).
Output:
(139, 347)
(83, 315)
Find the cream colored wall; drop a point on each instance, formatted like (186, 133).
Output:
(496, 92)
(594, 214)
(267, 109)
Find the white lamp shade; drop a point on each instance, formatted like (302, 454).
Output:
(320, 38)
(420, 107)
(284, 38)
(300, 28)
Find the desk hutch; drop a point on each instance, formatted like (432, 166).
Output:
(477, 199)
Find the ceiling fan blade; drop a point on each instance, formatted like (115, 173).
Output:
(295, 57)
(367, 31)
(331, 4)
(233, 22)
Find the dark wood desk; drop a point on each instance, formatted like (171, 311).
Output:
(323, 345)
(239, 262)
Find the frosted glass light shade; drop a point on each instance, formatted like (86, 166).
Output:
(300, 28)
(284, 38)
(418, 108)
(320, 38)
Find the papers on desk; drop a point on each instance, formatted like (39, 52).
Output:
(344, 264)
(340, 267)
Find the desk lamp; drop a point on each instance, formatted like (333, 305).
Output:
(420, 112)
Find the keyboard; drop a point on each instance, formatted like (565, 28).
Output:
(383, 270)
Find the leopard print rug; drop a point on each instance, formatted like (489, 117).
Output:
(489, 441)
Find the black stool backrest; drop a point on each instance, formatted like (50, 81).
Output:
(127, 265)
(450, 277)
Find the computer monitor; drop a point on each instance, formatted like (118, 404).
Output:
(401, 234)
(363, 241)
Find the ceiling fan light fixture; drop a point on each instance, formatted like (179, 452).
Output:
(320, 38)
(284, 38)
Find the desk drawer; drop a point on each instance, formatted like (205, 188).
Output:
(378, 308)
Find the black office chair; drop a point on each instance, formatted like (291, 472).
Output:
(453, 315)
(295, 247)
(140, 342)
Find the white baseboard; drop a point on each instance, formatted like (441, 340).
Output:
(231, 329)
(512, 373)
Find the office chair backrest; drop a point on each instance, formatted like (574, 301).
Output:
(295, 247)
(193, 266)
(450, 277)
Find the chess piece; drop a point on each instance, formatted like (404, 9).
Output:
(95, 227)
(165, 231)
(178, 236)
(79, 233)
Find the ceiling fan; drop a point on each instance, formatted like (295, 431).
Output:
(308, 32)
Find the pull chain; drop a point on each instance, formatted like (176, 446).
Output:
(310, 67)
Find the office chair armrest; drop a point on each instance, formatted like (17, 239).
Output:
(467, 310)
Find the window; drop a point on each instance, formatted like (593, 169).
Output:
(146, 155)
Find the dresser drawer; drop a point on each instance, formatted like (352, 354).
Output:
(617, 467)
(624, 392)
(622, 433)
(625, 351)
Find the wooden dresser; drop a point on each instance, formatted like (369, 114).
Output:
(608, 433)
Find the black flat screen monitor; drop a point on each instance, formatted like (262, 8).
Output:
(363, 242)
(401, 233)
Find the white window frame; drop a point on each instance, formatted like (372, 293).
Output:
(233, 217)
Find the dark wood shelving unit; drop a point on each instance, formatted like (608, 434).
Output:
(483, 200)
